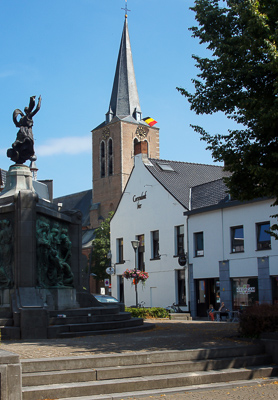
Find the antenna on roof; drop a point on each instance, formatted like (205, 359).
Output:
(126, 9)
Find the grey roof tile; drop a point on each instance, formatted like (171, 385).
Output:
(184, 176)
(209, 194)
(124, 98)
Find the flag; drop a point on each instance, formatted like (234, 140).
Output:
(150, 121)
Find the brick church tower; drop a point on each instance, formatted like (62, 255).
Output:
(122, 135)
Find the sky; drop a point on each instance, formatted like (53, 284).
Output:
(66, 51)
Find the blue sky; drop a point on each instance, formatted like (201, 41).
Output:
(66, 51)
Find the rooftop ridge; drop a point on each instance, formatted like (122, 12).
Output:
(185, 162)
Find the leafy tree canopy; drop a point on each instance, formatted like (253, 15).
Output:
(241, 80)
(101, 248)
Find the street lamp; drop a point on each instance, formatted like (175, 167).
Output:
(135, 245)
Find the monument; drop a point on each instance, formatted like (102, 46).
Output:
(40, 247)
(41, 293)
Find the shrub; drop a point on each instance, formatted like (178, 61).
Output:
(155, 312)
(258, 319)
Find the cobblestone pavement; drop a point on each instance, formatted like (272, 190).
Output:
(165, 335)
(245, 392)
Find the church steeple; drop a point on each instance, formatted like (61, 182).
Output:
(124, 98)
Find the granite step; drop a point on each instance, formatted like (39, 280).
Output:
(93, 374)
(73, 389)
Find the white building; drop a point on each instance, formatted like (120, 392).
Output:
(232, 257)
(151, 211)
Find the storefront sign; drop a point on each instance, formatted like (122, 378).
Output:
(139, 198)
(245, 289)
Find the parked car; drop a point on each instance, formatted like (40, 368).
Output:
(107, 300)
(104, 298)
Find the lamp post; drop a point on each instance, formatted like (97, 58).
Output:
(135, 245)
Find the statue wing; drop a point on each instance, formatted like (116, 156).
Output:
(15, 114)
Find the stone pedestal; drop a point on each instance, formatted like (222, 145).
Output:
(10, 376)
(36, 272)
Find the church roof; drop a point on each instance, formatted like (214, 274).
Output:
(124, 98)
(81, 201)
(179, 177)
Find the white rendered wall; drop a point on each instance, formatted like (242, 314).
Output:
(216, 226)
(158, 211)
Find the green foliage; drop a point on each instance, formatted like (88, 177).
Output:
(101, 247)
(240, 79)
(258, 319)
(155, 312)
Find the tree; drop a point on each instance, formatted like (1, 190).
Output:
(241, 80)
(101, 248)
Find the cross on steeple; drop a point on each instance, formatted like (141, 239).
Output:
(126, 9)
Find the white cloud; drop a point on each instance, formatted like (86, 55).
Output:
(66, 145)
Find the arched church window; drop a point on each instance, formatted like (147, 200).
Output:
(135, 143)
(110, 157)
(102, 160)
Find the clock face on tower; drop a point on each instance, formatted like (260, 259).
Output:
(105, 133)
(141, 132)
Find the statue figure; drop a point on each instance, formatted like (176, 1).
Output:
(65, 254)
(43, 247)
(53, 255)
(23, 148)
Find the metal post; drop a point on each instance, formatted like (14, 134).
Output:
(135, 245)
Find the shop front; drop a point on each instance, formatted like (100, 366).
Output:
(245, 292)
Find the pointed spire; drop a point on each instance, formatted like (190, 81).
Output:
(124, 98)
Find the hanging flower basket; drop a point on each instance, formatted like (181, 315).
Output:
(133, 274)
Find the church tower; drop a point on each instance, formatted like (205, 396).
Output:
(122, 135)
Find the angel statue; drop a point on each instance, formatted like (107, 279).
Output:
(23, 148)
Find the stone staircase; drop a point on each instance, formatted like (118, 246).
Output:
(129, 374)
(91, 321)
(77, 322)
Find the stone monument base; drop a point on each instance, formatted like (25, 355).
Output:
(60, 298)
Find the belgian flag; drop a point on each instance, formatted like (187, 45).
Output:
(150, 121)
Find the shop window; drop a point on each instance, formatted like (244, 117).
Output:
(102, 160)
(199, 244)
(179, 230)
(155, 244)
(263, 236)
(110, 157)
(245, 292)
(120, 251)
(237, 239)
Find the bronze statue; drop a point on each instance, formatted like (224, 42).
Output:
(23, 148)
(53, 255)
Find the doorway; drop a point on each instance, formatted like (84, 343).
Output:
(207, 292)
